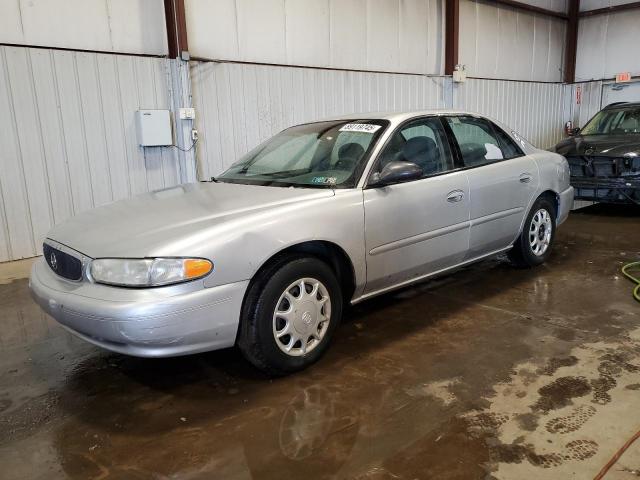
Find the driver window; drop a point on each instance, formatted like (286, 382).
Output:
(422, 142)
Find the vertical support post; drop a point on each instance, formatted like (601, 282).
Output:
(176, 23)
(180, 87)
(571, 43)
(179, 78)
(452, 28)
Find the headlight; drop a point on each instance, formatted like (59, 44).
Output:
(148, 272)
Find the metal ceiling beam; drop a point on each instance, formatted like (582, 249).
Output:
(527, 8)
(452, 35)
(612, 9)
(175, 19)
(571, 42)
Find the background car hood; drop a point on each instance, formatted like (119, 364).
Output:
(602, 145)
(159, 222)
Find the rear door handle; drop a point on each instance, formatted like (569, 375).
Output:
(455, 196)
(525, 178)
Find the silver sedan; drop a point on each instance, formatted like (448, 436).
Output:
(266, 255)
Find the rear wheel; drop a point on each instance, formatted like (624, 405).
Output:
(533, 246)
(289, 315)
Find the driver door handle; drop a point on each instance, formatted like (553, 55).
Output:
(525, 178)
(455, 196)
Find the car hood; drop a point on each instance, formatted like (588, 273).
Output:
(160, 222)
(601, 145)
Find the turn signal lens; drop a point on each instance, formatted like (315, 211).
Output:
(196, 267)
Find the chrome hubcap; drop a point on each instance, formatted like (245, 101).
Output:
(540, 232)
(302, 316)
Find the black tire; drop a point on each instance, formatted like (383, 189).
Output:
(522, 254)
(256, 338)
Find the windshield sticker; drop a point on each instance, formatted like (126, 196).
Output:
(360, 127)
(324, 180)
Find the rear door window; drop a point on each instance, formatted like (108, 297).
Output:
(481, 142)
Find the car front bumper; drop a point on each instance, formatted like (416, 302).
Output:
(624, 189)
(149, 322)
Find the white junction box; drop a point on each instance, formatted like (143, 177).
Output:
(187, 113)
(153, 128)
(459, 74)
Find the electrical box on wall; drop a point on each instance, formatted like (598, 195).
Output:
(153, 128)
(459, 74)
(187, 113)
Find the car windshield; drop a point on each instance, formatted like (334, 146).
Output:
(614, 121)
(320, 155)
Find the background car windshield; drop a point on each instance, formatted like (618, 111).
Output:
(614, 122)
(323, 154)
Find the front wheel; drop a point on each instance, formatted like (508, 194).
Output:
(533, 246)
(289, 315)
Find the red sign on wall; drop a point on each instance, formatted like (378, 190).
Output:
(623, 77)
(578, 95)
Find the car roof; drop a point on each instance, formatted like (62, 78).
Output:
(622, 105)
(398, 116)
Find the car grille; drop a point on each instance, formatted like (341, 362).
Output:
(62, 263)
(593, 166)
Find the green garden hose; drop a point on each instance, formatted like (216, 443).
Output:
(625, 272)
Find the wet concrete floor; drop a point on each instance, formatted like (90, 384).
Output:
(491, 372)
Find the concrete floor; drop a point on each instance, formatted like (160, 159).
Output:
(489, 373)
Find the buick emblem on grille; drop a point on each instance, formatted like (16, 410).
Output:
(53, 261)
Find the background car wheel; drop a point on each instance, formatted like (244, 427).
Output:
(533, 246)
(291, 310)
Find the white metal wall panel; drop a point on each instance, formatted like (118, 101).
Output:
(383, 35)
(535, 110)
(131, 26)
(504, 43)
(595, 4)
(584, 105)
(607, 45)
(307, 27)
(241, 105)
(68, 138)
(554, 5)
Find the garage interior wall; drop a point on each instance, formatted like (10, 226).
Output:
(67, 129)
(352, 46)
(505, 43)
(257, 67)
(607, 43)
(604, 43)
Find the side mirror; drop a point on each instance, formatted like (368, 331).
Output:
(569, 130)
(397, 172)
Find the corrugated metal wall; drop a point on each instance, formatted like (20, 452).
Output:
(240, 105)
(607, 45)
(535, 110)
(386, 35)
(589, 98)
(68, 138)
(498, 41)
(594, 4)
(131, 26)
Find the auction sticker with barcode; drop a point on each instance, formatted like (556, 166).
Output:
(360, 127)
